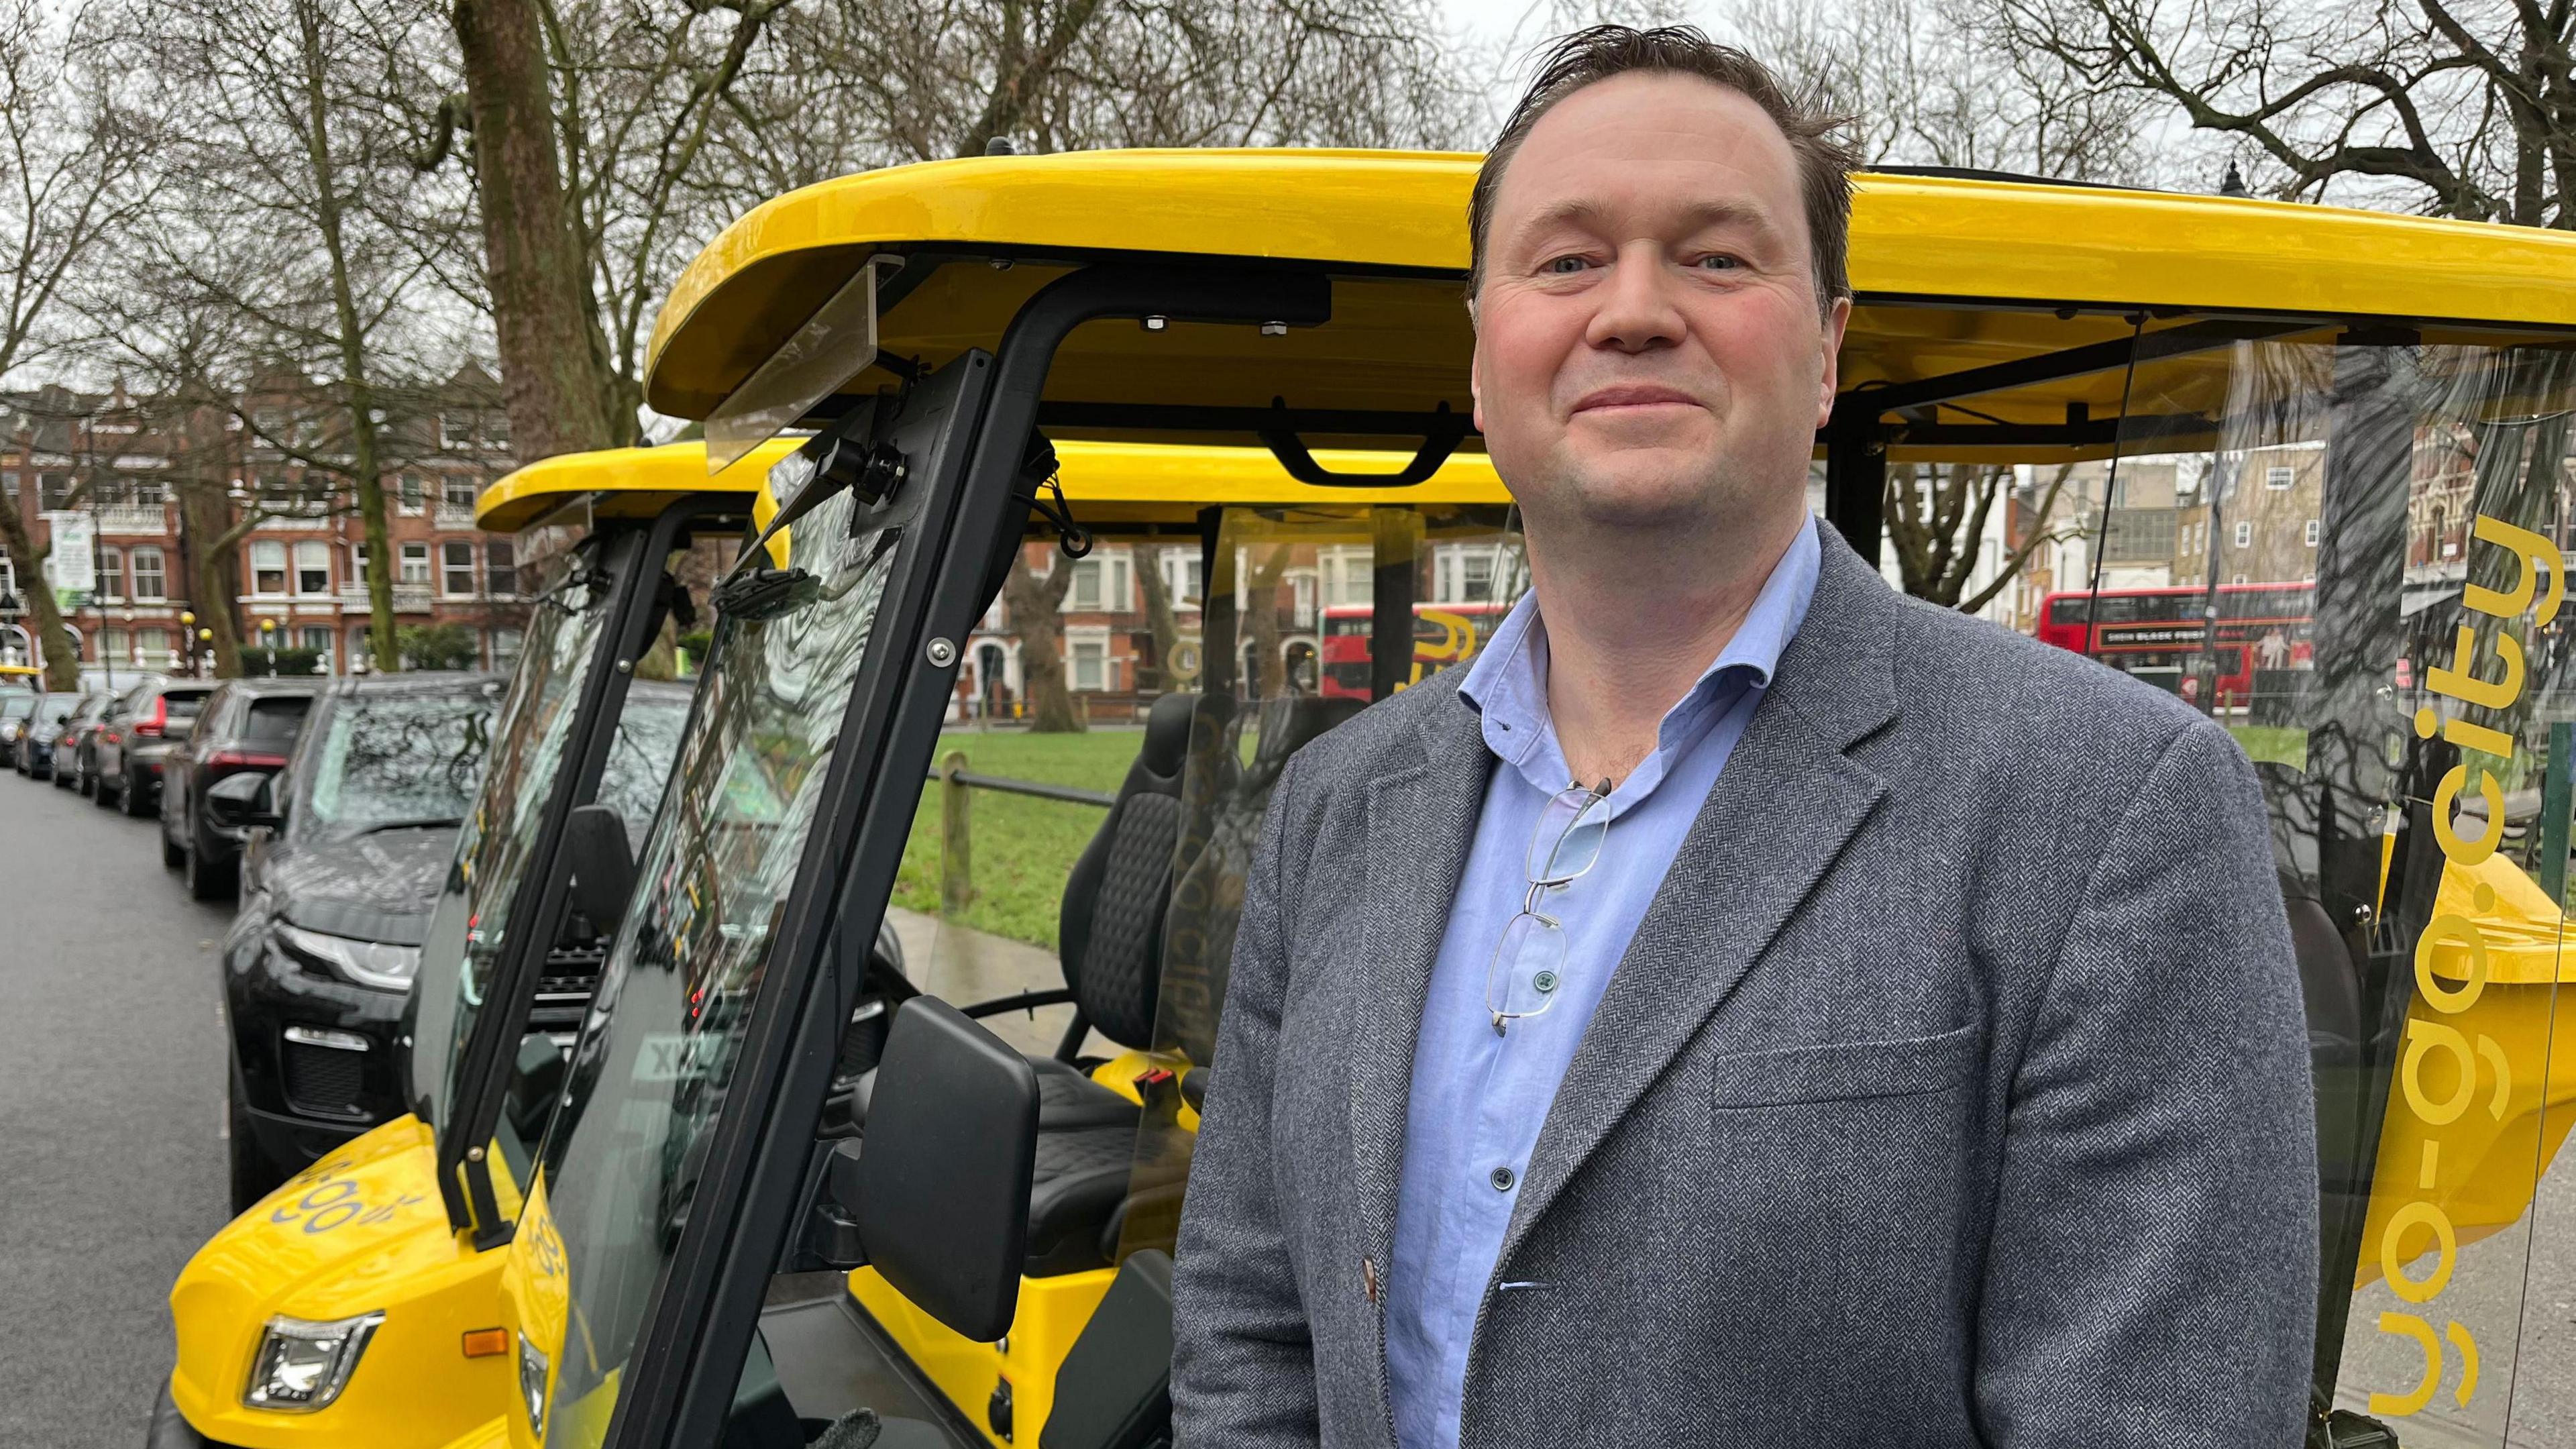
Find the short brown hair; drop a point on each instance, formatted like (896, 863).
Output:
(1588, 57)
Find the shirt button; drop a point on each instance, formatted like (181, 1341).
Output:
(1502, 1179)
(1545, 981)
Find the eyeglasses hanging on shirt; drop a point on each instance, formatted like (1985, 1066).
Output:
(1528, 965)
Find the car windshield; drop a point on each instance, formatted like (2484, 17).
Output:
(492, 852)
(16, 706)
(659, 1053)
(391, 762)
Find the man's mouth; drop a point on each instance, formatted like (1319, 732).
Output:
(1633, 395)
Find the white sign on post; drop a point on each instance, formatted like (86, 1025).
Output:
(71, 569)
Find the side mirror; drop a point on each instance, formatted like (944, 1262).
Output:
(242, 801)
(602, 864)
(940, 1185)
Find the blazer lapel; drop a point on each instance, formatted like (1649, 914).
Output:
(1421, 822)
(1787, 802)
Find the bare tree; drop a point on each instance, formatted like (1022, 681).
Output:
(293, 210)
(1033, 604)
(1162, 619)
(2464, 110)
(72, 150)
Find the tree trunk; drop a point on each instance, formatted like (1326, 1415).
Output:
(1159, 614)
(1272, 681)
(62, 658)
(214, 574)
(554, 381)
(353, 350)
(1033, 603)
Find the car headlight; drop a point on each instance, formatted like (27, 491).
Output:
(532, 1384)
(368, 963)
(302, 1366)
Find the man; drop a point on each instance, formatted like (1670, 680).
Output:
(1746, 1007)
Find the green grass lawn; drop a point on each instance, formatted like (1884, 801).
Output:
(1022, 847)
(2272, 742)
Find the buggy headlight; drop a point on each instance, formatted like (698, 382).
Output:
(532, 1384)
(302, 1366)
(368, 963)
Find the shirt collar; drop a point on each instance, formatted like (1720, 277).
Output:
(1507, 683)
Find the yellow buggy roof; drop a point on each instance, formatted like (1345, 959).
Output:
(619, 481)
(1955, 275)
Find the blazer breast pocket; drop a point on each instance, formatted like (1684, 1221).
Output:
(1845, 1071)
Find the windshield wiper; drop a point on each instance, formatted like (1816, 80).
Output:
(427, 822)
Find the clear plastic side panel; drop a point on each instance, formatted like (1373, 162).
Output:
(1384, 597)
(2347, 548)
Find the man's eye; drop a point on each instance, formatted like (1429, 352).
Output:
(1564, 266)
(1720, 262)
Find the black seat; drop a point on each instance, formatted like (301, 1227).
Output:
(1205, 820)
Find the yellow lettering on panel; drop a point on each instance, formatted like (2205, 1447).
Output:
(2392, 1261)
(2534, 553)
(2462, 931)
(2461, 681)
(2407, 1325)
(2446, 796)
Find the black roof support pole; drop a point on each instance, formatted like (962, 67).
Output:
(1856, 473)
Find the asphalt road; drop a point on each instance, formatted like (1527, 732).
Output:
(111, 1114)
(112, 1154)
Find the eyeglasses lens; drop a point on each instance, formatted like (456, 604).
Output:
(1527, 967)
(1570, 830)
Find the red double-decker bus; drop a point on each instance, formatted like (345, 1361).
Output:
(2159, 634)
(1443, 634)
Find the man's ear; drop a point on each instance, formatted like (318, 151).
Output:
(1476, 380)
(1837, 322)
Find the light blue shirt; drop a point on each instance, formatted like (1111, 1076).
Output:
(1478, 1099)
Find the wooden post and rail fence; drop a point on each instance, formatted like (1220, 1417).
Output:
(956, 836)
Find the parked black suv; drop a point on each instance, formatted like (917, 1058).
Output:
(245, 725)
(140, 730)
(345, 851)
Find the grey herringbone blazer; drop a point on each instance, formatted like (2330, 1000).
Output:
(1954, 1090)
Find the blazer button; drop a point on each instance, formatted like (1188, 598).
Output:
(1368, 1278)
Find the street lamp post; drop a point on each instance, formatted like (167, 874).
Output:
(268, 643)
(188, 637)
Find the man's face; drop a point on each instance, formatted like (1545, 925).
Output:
(1649, 353)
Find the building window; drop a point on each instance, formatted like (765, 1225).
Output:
(501, 569)
(1180, 577)
(1301, 588)
(111, 573)
(1464, 573)
(505, 648)
(411, 493)
(2277, 476)
(1089, 663)
(151, 581)
(313, 567)
(152, 647)
(457, 493)
(2240, 579)
(359, 654)
(2312, 533)
(111, 647)
(415, 564)
(267, 567)
(53, 490)
(456, 570)
(1101, 584)
(2244, 534)
(316, 637)
(1348, 578)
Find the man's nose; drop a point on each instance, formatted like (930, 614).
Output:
(1638, 312)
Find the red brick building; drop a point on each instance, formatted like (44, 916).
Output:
(122, 466)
